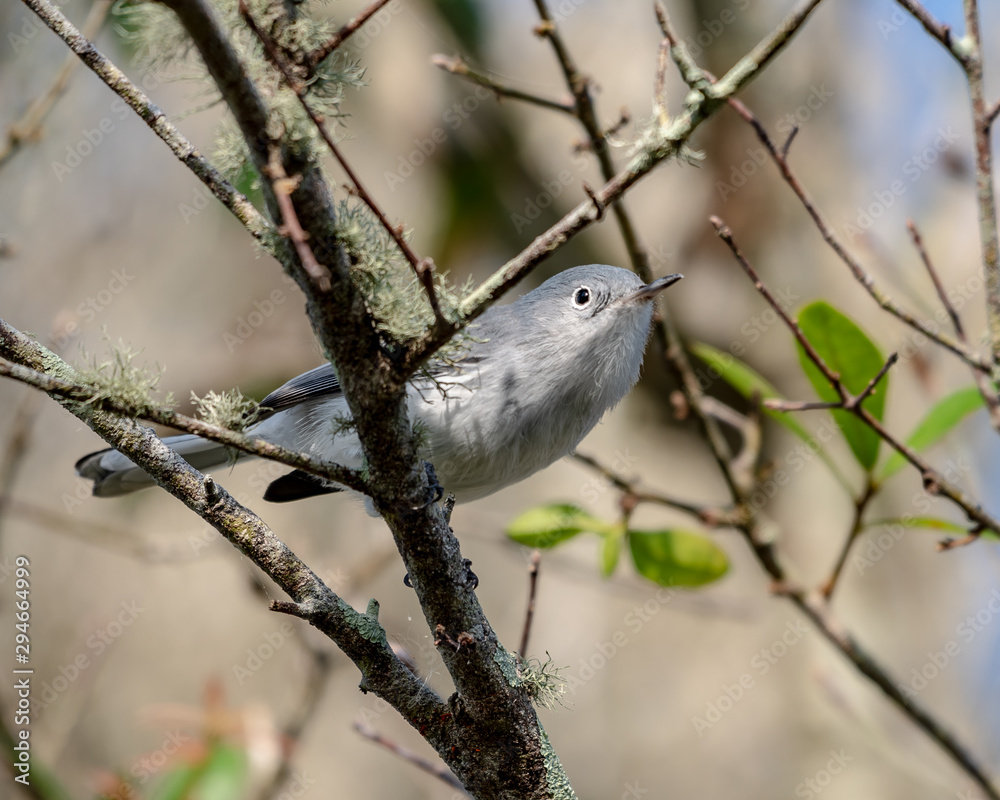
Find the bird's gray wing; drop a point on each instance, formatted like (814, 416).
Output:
(318, 382)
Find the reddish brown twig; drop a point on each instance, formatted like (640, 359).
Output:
(345, 32)
(423, 268)
(918, 242)
(283, 187)
(439, 772)
(529, 613)
(458, 66)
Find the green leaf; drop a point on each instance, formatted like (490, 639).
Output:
(547, 526)
(747, 381)
(611, 548)
(944, 416)
(677, 558)
(848, 351)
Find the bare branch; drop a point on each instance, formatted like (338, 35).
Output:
(345, 32)
(283, 186)
(857, 525)
(457, 66)
(858, 399)
(419, 762)
(693, 75)
(529, 612)
(918, 242)
(989, 235)
(712, 516)
(967, 51)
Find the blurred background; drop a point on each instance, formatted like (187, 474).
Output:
(146, 624)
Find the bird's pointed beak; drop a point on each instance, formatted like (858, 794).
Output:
(650, 290)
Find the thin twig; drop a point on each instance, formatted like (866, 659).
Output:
(918, 242)
(951, 544)
(341, 36)
(457, 66)
(29, 127)
(16, 449)
(693, 75)
(857, 525)
(858, 399)
(529, 612)
(438, 771)
(938, 30)
(710, 515)
(423, 268)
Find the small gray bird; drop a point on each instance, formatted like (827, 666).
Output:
(537, 376)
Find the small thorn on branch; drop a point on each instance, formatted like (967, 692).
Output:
(290, 608)
(788, 142)
(993, 113)
(597, 203)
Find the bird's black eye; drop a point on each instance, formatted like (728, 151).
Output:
(582, 297)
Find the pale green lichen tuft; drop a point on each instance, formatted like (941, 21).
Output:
(395, 298)
(119, 380)
(543, 681)
(231, 409)
(342, 424)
